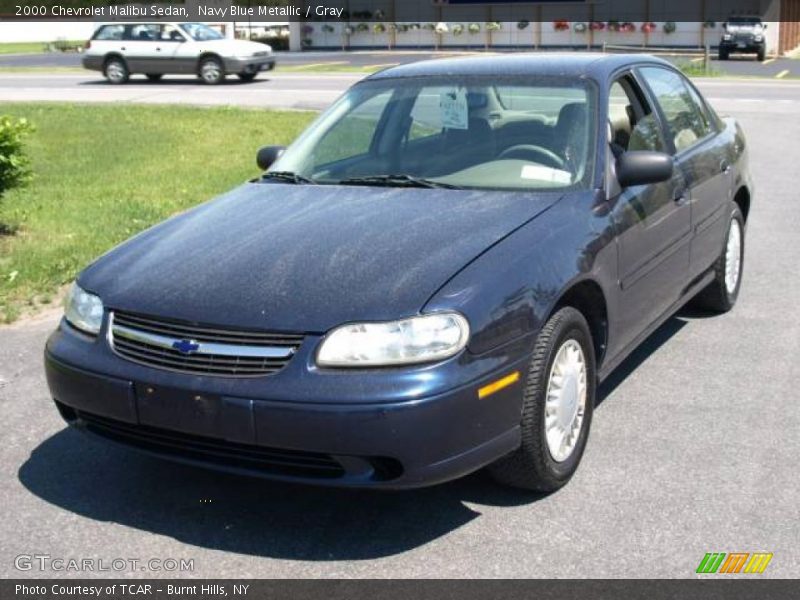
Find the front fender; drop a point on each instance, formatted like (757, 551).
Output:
(510, 291)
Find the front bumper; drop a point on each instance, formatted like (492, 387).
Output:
(745, 46)
(249, 65)
(399, 444)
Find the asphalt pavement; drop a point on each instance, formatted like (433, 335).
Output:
(739, 65)
(693, 448)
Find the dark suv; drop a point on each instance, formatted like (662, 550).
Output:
(743, 34)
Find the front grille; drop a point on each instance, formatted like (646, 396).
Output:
(292, 463)
(189, 348)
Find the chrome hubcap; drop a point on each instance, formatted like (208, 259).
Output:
(733, 256)
(115, 72)
(210, 71)
(565, 403)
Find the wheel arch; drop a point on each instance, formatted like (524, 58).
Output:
(587, 297)
(113, 54)
(742, 199)
(206, 55)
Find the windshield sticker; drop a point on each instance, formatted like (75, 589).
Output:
(454, 108)
(543, 173)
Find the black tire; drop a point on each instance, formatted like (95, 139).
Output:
(211, 70)
(154, 76)
(716, 296)
(762, 54)
(532, 466)
(723, 55)
(115, 70)
(247, 76)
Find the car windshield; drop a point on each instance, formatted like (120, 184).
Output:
(201, 33)
(517, 133)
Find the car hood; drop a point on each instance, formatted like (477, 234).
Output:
(306, 258)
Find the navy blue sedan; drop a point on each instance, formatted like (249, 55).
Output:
(433, 278)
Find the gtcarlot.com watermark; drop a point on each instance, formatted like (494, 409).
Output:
(60, 564)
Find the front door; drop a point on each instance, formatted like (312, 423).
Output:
(653, 222)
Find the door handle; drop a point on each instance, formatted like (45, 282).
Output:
(123, 48)
(158, 49)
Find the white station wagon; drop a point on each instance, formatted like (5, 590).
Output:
(155, 49)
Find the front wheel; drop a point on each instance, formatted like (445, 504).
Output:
(247, 76)
(721, 294)
(557, 407)
(723, 55)
(212, 71)
(762, 54)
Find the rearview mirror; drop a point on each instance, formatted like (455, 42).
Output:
(268, 155)
(640, 167)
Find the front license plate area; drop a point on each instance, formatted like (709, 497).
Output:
(741, 45)
(178, 410)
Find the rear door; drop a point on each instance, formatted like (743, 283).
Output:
(143, 48)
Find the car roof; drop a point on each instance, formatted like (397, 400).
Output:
(590, 65)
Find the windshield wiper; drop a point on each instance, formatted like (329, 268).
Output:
(397, 181)
(286, 177)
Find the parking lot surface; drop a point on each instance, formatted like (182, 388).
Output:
(693, 447)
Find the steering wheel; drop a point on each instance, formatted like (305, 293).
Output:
(535, 153)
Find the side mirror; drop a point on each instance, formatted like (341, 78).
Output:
(268, 155)
(764, 25)
(640, 167)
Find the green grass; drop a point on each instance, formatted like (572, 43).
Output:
(37, 47)
(103, 173)
(22, 47)
(697, 69)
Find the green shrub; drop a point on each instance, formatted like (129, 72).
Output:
(14, 164)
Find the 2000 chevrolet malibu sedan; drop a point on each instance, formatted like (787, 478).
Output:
(433, 278)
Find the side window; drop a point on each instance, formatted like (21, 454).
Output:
(144, 33)
(701, 107)
(632, 122)
(169, 33)
(686, 123)
(110, 32)
(352, 135)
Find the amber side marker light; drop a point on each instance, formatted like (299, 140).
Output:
(498, 385)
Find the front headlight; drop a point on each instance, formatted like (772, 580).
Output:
(727, 37)
(83, 310)
(416, 340)
(758, 37)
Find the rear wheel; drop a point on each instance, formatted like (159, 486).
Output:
(721, 294)
(558, 402)
(154, 76)
(211, 70)
(116, 71)
(247, 76)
